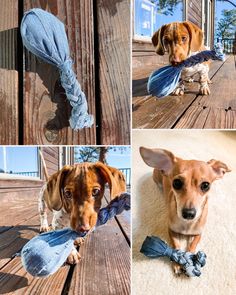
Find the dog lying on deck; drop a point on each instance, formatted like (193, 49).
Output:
(74, 195)
(182, 40)
(185, 184)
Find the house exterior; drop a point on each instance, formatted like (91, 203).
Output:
(148, 17)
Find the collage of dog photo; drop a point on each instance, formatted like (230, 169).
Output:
(117, 147)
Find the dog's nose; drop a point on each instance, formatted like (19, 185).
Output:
(189, 213)
(84, 227)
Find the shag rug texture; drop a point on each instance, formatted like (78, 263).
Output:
(155, 276)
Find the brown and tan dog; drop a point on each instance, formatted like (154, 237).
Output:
(186, 184)
(181, 40)
(75, 193)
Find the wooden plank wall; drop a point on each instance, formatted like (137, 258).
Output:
(104, 76)
(8, 72)
(51, 157)
(194, 10)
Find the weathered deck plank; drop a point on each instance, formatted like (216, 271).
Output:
(180, 112)
(114, 70)
(46, 110)
(8, 72)
(104, 246)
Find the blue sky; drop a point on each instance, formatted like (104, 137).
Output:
(20, 159)
(119, 159)
(221, 6)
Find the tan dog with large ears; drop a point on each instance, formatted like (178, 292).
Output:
(185, 184)
(180, 40)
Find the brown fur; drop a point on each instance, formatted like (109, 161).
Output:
(73, 188)
(192, 173)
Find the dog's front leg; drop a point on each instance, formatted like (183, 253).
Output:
(42, 208)
(193, 244)
(204, 81)
(74, 257)
(175, 240)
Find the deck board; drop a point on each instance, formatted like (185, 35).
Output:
(104, 269)
(190, 110)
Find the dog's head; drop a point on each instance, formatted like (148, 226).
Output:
(79, 190)
(179, 40)
(189, 181)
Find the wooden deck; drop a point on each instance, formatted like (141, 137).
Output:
(218, 110)
(34, 109)
(104, 269)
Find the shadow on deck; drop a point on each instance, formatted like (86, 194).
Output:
(104, 268)
(218, 110)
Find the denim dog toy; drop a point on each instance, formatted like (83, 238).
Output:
(45, 254)
(163, 81)
(44, 35)
(191, 263)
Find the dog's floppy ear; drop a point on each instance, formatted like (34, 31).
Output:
(196, 36)
(161, 159)
(113, 177)
(157, 40)
(54, 190)
(218, 168)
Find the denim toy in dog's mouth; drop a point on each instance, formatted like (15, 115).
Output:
(163, 81)
(45, 254)
(44, 35)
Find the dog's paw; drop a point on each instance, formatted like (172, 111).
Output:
(177, 269)
(204, 90)
(80, 241)
(178, 91)
(74, 257)
(45, 228)
(190, 80)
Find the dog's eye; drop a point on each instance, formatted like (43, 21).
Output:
(205, 186)
(177, 184)
(95, 192)
(67, 194)
(184, 39)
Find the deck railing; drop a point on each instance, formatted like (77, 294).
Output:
(28, 173)
(228, 44)
(127, 174)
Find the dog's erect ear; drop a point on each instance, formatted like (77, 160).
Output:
(54, 191)
(158, 158)
(113, 177)
(157, 40)
(196, 36)
(218, 168)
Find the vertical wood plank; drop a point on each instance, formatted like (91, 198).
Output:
(8, 72)
(46, 111)
(114, 70)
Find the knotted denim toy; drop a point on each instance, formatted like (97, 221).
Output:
(45, 254)
(163, 81)
(44, 35)
(191, 263)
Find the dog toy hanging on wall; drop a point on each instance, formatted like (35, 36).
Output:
(163, 81)
(45, 254)
(44, 35)
(191, 263)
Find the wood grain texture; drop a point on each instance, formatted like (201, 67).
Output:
(47, 111)
(51, 157)
(195, 12)
(8, 72)
(106, 260)
(114, 70)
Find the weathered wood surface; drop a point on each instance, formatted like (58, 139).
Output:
(191, 110)
(51, 157)
(114, 70)
(30, 90)
(46, 110)
(8, 72)
(104, 269)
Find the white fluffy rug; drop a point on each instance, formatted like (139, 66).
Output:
(155, 276)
